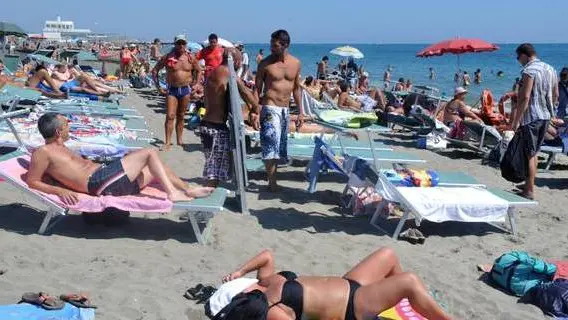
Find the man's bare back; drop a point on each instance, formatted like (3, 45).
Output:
(216, 95)
(62, 165)
(279, 79)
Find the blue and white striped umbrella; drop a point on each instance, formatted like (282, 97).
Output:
(347, 51)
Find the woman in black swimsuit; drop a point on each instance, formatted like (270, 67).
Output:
(376, 284)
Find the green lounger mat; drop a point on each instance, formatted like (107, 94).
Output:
(348, 119)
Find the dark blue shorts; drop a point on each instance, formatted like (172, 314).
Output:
(111, 180)
(179, 92)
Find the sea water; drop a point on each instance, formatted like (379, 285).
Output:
(404, 63)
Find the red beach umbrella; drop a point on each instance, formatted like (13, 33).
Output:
(457, 46)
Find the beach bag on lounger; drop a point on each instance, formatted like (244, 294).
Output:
(514, 164)
(518, 272)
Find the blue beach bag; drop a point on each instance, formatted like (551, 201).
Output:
(518, 272)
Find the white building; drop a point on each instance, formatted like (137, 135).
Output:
(63, 30)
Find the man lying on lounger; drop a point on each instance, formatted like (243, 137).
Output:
(121, 177)
(43, 82)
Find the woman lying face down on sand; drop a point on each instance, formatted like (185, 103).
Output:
(374, 285)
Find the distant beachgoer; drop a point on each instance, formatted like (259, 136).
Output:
(477, 76)
(562, 94)
(456, 110)
(259, 56)
(387, 76)
(374, 285)
(155, 50)
(277, 78)
(313, 87)
(400, 85)
(244, 69)
(500, 74)
(180, 68)
(342, 67)
(214, 133)
(212, 54)
(537, 98)
(432, 75)
(2, 67)
(363, 83)
(125, 62)
(125, 176)
(363, 102)
(466, 79)
(322, 68)
(408, 85)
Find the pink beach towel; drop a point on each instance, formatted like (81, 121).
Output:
(150, 199)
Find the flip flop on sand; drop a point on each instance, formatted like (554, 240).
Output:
(412, 235)
(77, 300)
(200, 293)
(43, 300)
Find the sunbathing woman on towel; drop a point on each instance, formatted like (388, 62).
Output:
(374, 285)
(120, 177)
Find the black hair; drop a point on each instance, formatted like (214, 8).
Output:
(245, 306)
(564, 74)
(401, 80)
(344, 86)
(40, 67)
(325, 58)
(261, 51)
(156, 40)
(465, 72)
(478, 70)
(48, 124)
(309, 80)
(526, 49)
(213, 37)
(282, 36)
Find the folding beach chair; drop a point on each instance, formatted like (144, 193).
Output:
(462, 204)
(11, 63)
(14, 165)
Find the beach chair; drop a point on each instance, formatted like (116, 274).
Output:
(551, 152)
(441, 204)
(324, 158)
(9, 93)
(14, 165)
(11, 64)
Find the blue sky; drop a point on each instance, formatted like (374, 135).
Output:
(312, 21)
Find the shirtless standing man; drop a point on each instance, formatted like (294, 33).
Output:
(278, 77)
(126, 176)
(215, 135)
(180, 67)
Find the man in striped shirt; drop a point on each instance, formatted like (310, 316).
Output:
(538, 95)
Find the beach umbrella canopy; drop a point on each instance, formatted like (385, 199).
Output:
(194, 46)
(222, 42)
(457, 46)
(348, 51)
(11, 29)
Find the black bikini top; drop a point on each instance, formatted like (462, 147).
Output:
(292, 293)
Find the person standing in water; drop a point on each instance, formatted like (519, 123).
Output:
(180, 67)
(432, 74)
(466, 79)
(277, 79)
(477, 76)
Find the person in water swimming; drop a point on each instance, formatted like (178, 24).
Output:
(374, 285)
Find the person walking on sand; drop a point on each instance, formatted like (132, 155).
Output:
(155, 50)
(259, 57)
(278, 77)
(180, 68)
(212, 54)
(537, 97)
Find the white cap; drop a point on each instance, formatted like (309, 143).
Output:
(180, 37)
(460, 90)
(227, 291)
(365, 74)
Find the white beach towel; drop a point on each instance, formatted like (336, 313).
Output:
(456, 204)
(227, 291)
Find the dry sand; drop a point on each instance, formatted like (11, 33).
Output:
(141, 270)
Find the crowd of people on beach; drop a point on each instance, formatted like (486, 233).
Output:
(540, 100)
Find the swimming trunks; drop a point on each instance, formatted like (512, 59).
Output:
(110, 179)
(125, 60)
(41, 86)
(179, 92)
(68, 85)
(350, 312)
(274, 122)
(292, 294)
(216, 140)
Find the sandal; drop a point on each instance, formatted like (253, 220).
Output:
(77, 300)
(43, 300)
(412, 235)
(200, 293)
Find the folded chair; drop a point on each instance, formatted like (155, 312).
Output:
(14, 165)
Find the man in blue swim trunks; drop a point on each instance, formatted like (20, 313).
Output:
(277, 78)
(180, 68)
(74, 174)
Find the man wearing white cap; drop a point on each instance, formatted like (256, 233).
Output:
(244, 69)
(456, 110)
(180, 67)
